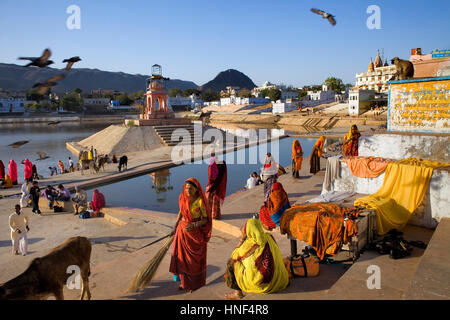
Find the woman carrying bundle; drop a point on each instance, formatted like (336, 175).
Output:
(297, 158)
(316, 153)
(351, 141)
(192, 233)
(256, 265)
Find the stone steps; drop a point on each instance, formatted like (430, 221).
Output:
(165, 135)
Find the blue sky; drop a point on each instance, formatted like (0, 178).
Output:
(280, 41)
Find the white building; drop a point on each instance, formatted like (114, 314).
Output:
(282, 107)
(100, 102)
(376, 77)
(359, 101)
(179, 100)
(315, 98)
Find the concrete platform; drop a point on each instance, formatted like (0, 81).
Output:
(432, 277)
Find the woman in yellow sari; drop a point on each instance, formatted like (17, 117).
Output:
(256, 265)
(297, 158)
(316, 153)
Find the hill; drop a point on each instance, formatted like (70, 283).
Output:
(17, 78)
(227, 78)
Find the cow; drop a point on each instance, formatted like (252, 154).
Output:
(123, 162)
(101, 161)
(47, 275)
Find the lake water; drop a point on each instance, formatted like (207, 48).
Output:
(42, 138)
(159, 191)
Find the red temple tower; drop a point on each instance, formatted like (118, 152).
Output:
(156, 96)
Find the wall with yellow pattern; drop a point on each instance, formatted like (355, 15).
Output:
(421, 105)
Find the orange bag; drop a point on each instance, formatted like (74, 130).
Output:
(302, 266)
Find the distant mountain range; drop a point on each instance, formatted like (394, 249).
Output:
(17, 78)
(227, 78)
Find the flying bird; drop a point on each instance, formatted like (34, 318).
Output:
(44, 87)
(42, 156)
(54, 123)
(41, 61)
(17, 144)
(70, 62)
(325, 15)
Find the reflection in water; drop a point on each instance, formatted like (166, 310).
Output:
(161, 183)
(162, 194)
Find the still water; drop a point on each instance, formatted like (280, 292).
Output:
(160, 190)
(42, 138)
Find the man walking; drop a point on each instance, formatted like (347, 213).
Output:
(18, 222)
(35, 192)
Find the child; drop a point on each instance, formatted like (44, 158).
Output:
(71, 167)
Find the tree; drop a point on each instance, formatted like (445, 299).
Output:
(245, 93)
(264, 93)
(33, 95)
(301, 94)
(335, 84)
(189, 92)
(274, 94)
(77, 90)
(137, 95)
(210, 95)
(107, 96)
(348, 85)
(124, 100)
(173, 92)
(71, 101)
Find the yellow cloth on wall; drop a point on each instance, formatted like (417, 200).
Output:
(404, 186)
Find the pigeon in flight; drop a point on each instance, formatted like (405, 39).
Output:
(325, 15)
(42, 156)
(44, 87)
(41, 61)
(17, 144)
(70, 62)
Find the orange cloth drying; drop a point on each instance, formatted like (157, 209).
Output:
(320, 225)
(366, 167)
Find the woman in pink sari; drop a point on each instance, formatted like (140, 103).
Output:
(2, 170)
(28, 172)
(12, 171)
(98, 202)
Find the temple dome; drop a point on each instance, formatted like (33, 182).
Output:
(378, 62)
(371, 66)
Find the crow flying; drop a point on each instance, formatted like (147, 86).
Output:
(325, 15)
(42, 156)
(71, 61)
(44, 87)
(41, 61)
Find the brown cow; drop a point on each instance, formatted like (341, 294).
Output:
(47, 275)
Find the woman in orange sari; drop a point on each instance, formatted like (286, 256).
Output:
(277, 203)
(297, 158)
(192, 233)
(351, 141)
(316, 153)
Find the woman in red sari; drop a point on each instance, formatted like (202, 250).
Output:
(351, 141)
(192, 233)
(12, 171)
(2, 170)
(297, 158)
(216, 188)
(98, 202)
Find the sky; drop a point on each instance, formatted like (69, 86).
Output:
(280, 41)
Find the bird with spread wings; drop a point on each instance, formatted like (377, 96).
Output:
(325, 15)
(47, 84)
(41, 61)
